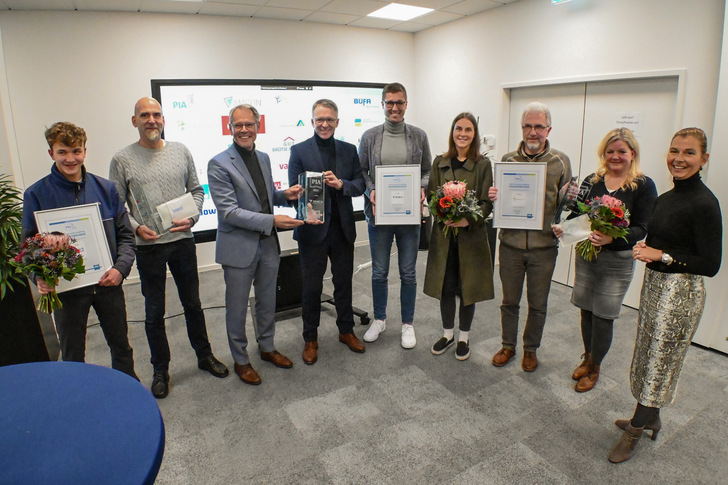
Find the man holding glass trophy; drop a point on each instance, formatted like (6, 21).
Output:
(330, 173)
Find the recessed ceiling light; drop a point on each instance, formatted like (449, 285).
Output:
(399, 11)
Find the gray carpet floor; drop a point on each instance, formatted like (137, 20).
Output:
(392, 415)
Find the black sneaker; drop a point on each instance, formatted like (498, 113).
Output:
(442, 345)
(462, 351)
(160, 385)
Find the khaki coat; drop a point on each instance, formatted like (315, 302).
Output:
(476, 267)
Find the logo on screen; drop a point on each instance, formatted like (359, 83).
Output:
(285, 146)
(300, 123)
(362, 100)
(231, 101)
(357, 122)
(226, 125)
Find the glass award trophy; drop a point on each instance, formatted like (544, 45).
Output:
(312, 203)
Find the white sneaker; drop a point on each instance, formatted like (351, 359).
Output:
(408, 336)
(377, 327)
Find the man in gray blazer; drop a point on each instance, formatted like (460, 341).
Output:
(393, 143)
(241, 186)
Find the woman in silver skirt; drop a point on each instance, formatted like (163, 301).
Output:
(684, 243)
(600, 284)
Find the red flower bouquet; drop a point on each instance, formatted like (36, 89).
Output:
(607, 215)
(451, 202)
(49, 256)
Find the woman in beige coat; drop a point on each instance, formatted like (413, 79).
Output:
(459, 262)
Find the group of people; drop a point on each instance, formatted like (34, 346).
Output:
(683, 231)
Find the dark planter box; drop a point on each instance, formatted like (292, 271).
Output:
(26, 335)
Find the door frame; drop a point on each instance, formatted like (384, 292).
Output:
(506, 88)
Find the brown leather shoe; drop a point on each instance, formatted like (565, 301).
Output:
(278, 359)
(583, 368)
(247, 374)
(309, 352)
(530, 361)
(589, 380)
(503, 356)
(354, 344)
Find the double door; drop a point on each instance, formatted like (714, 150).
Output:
(582, 113)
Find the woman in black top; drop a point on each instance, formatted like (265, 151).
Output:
(684, 243)
(600, 284)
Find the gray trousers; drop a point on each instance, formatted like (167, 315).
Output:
(262, 275)
(537, 267)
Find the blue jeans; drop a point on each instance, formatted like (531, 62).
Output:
(380, 244)
(152, 261)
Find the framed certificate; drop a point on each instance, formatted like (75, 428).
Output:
(521, 195)
(398, 195)
(84, 224)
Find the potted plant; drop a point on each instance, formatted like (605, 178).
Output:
(21, 328)
(10, 217)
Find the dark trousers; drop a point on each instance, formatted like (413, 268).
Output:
(152, 261)
(110, 307)
(452, 287)
(313, 266)
(536, 266)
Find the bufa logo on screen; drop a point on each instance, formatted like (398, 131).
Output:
(362, 101)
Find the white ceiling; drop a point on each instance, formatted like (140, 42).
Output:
(342, 12)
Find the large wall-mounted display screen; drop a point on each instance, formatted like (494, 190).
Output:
(196, 114)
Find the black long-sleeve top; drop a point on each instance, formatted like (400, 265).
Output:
(686, 223)
(638, 202)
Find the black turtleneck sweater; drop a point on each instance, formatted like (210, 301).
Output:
(327, 150)
(686, 223)
(251, 162)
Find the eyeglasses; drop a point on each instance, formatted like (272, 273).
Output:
(536, 128)
(392, 104)
(321, 121)
(247, 126)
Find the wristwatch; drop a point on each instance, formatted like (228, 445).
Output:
(667, 259)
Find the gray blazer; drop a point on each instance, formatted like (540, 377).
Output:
(370, 155)
(239, 220)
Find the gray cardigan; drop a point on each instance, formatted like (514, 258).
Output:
(370, 155)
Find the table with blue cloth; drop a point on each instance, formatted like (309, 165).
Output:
(76, 423)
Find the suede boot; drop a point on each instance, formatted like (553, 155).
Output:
(654, 424)
(624, 449)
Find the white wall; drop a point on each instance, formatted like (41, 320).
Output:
(460, 66)
(90, 68)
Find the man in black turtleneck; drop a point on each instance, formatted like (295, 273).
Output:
(334, 238)
(241, 186)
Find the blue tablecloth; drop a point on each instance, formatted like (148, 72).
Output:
(75, 423)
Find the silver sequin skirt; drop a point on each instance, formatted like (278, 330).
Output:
(670, 308)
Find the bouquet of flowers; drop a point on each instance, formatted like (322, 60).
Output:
(49, 256)
(607, 215)
(451, 202)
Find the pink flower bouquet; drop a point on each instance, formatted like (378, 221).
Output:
(49, 256)
(451, 202)
(607, 215)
